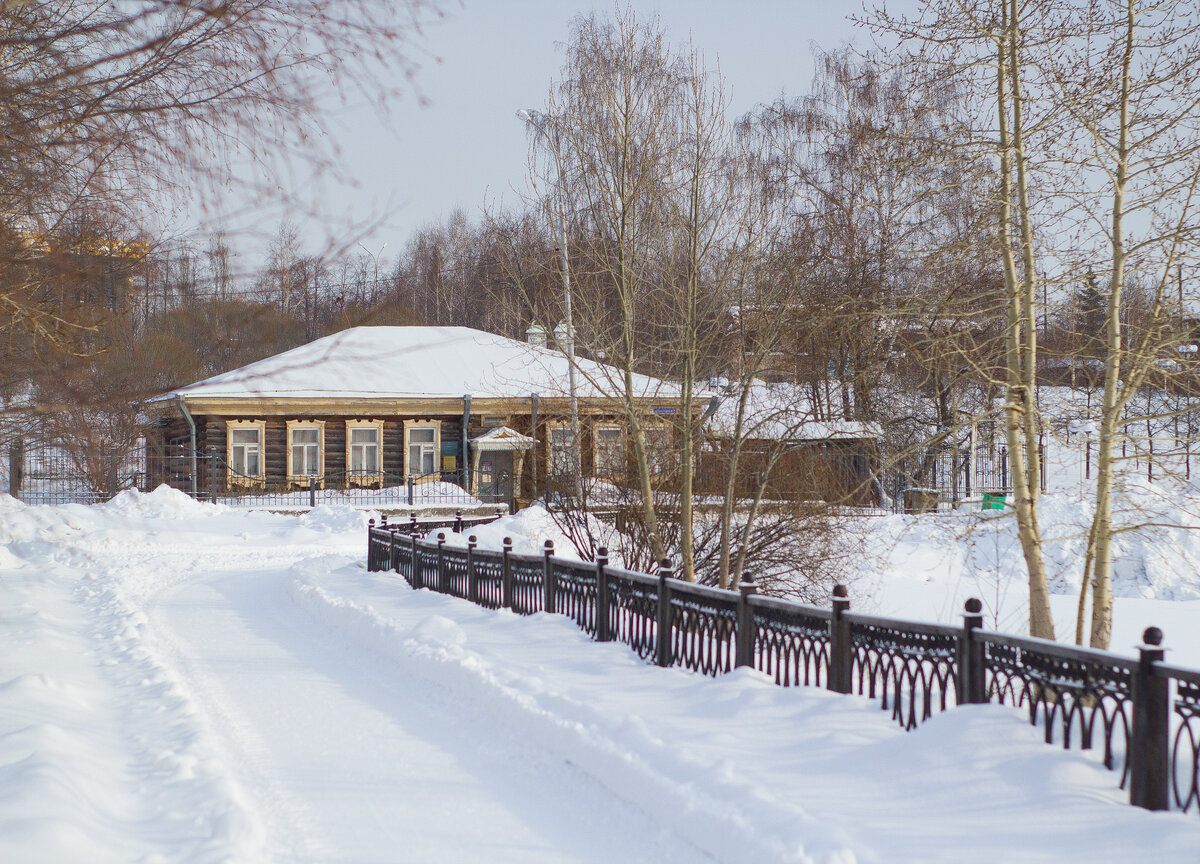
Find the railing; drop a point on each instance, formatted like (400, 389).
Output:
(1142, 714)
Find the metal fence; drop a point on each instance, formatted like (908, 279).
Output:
(47, 473)
(1142, 714)
(957, 469)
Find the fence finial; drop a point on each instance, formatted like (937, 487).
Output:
(1152, 636)
(973, 606)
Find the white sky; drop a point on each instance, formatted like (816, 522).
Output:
(488, 58)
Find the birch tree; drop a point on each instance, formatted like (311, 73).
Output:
(1127, 79)
(983, 47)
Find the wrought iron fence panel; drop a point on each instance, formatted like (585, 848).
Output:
(575, 593)
(454, 560)
(791, 642)
(703, 623)
(1184, 771)
(1067, 690)
(911, 668)
(489, 579)
(426, 565)
(528, 583)
(379, 549)
(402, 558)
(633, 610)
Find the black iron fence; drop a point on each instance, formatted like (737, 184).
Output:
(40, 472)
(1142, 714)
(954, 470)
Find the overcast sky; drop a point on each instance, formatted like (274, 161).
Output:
(464, 146)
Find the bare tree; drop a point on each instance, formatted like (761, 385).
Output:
(983, 48)
(127, 108)
(1126, 80)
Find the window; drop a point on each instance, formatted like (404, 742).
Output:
(561, 443)
(491, 421)
(305, 457)
(422, 440)
(244, 451)
(660, 453)
(609, 451)
(364, 458)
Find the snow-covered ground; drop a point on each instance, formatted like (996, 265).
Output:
(925, 567)
(188, 683)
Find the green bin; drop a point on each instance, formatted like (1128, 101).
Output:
(993, 501)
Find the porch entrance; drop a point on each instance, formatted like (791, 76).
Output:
(497, 460)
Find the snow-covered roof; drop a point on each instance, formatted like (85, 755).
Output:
(417, 362)
(781, 412)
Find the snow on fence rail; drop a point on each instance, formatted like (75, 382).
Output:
(1144, 714)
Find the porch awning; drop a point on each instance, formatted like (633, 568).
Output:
(502, 438)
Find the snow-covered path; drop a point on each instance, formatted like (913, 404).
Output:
(358, 762)
(183, 683)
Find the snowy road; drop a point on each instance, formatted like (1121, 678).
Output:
(188, 684)
(359, 762)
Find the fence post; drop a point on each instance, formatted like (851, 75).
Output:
(443, 575)
(841, 654)
(412, 524)
(662, 642)
(312, 490)
(458, 522)
(1149, 747)
(972, 677)
(743, 651)
(548, 585)
(472, 582)
(414, 561)
(393, 564)
(409, 483)
(16, 466)
(602, 632)
(212, 475)
(506, 580)
(372, 556)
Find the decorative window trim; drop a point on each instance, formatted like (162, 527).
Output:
(364, 478)
(293, 426)
(551, 427)
(244, 481)
(436, 426)
(660, 466)
(596, 449)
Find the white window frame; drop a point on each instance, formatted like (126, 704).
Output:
(364, 478)
(295, 426)
(235, 479)
(409, 427)
(666, 462)
(597, 468)
(551, 450)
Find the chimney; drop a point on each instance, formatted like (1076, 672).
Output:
(536, 335)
